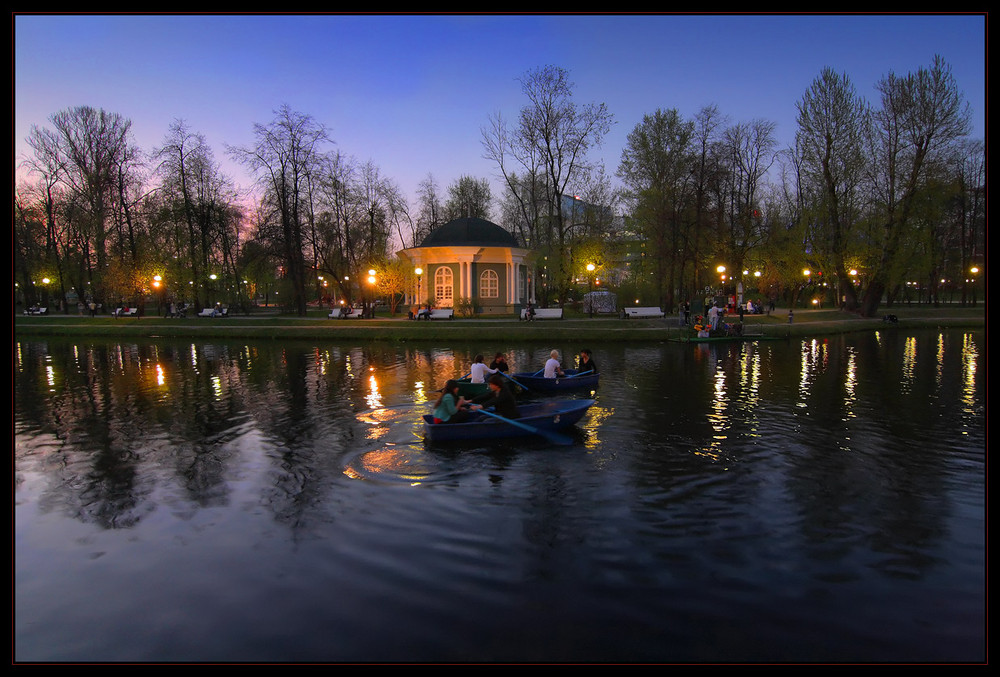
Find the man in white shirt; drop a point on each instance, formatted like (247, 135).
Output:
(552, 368)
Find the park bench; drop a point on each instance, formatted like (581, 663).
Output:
(354, 314)
(646, 311)
(544, 313)
(441, 314)
(36, 311)
(212, 312)
(125, 312)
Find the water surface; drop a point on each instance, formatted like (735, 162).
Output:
(816, 500)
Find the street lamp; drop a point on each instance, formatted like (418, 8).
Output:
(418, 271)
(156, 286)
(371, 281)
(590, 286)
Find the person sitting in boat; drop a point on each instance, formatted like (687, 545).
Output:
(552, 367)
(499, 396)
(500, 363)
(587, 363)
(480, 370)
(450, 406)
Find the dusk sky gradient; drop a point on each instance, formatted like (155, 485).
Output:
(412, 93)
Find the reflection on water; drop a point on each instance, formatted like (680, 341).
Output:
(812, 500)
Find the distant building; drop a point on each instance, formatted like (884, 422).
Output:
(471, 258)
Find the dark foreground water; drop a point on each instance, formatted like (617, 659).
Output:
(807, 501)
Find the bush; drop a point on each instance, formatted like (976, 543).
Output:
(465, 307)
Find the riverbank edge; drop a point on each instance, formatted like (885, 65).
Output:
(395, 330)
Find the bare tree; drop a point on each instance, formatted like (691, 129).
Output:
(920, 115)
(468, 197)
(550, 146)
(287, 151)
(88, 151)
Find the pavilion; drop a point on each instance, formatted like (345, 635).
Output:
(474, 259)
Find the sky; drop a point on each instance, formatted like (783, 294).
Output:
(412, 93)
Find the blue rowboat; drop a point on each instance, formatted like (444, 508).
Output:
(546, 419)
(573, 380)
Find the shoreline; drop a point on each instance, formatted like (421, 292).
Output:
(807, 323)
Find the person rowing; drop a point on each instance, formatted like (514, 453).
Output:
(499, 396)
(500, 363)
(587, 364)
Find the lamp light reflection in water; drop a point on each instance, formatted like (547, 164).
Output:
(374, 398)
(909, 362)
(939, 372)
(850, 383)
(970, 358)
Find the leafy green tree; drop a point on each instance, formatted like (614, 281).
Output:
(833, 120)
(655, 168)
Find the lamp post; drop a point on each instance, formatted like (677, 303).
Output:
(590, 286)
(418, 271)
(371, 280)
(974, 271)
(156, 286)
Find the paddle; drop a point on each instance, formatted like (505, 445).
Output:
(459, 379)
(554, 437)
(512, 380)
(538, 373)
(580, 373)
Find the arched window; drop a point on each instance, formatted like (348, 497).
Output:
(443, 287)
(489, 285)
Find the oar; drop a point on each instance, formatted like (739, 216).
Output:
(554, 437)
(580, 373)
(512, 380)
(540, 371)
(459, 379)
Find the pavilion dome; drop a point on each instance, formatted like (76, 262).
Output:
(469, 232)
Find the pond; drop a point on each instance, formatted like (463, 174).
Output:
(810, 500)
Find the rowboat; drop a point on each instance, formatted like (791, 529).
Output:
(468, 389)
(572, 380)
(546, 419)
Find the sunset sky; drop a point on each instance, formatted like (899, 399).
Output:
(412, 93)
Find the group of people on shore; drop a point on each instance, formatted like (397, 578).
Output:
(451, 407)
